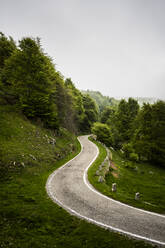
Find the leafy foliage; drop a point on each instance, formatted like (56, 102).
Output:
(140, 133)
(149, 138)
(28, 78)
(91, 113)
(102, 131)
(102, 101)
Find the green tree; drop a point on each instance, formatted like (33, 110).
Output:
(7, 47)
(30, 74)
(107, 114)
(125, 117)
(149, 137)
(102, 131)
(91, 113)
(77, 101)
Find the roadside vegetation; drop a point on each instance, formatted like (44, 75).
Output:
(139, 133)
(40, 114)
(28, 218)
(130, 178)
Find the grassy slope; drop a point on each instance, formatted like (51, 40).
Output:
(28, 218)
(147, 179)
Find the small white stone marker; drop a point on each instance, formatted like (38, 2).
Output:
(114, 187)
(137, 196)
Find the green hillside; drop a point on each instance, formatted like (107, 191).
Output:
(102, 101)
(28, 218)
(40, 116)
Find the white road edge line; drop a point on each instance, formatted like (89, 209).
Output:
(49, 192)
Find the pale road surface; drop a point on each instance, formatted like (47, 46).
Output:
(68, 186)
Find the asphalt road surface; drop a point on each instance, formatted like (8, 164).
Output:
(68, 186)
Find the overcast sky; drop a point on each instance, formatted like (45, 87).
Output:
(114, 46)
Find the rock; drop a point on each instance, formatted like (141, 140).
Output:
(51, 141)
(137, 196)
(22, 163)
(32, 157)
(97, 173)
(103, 163)
(114, 187)
(94, 136)
(151, 172)
(100, 180)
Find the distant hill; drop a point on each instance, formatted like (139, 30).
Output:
(101, 100)
(142, 100)
(149, 100)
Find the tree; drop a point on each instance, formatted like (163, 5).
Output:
(30, 74)
(77, 100)
(102, 131)
(107, 114)
(7, 47)
(125, 117)
(149, 137)
(91, 113)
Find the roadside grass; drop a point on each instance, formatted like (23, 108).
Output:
(28, 218)
(131, 177)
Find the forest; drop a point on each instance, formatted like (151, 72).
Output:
(30, 81)
(139, 133)
(41, 113)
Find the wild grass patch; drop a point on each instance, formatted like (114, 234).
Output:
(28, 217)
(131, 177)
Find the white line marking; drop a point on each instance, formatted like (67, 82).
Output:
(50, 193)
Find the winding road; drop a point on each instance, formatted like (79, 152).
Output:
(68, 187)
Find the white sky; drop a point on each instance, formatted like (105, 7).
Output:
(114, 46)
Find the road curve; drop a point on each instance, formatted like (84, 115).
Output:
(68, 187)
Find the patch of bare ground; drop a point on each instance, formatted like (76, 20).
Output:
(115, 172)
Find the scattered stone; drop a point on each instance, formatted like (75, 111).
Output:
(30, 155)
(100, 180)
(22, 163)
(97, 173)
(114, 187)
(51, 141)
(103, 163)
(94, 136)
(137, 196)
(151, 172)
